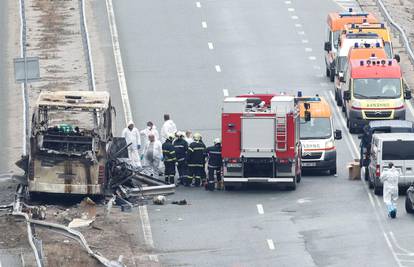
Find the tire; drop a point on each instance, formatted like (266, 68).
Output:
(298, 178)
(338, 98)
(229, 187)
(332, 171)
(408, 205)
(332, 75)
(366, 174)
(292, 186)
(377, 189)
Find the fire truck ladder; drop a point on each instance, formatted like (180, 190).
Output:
(281, 133)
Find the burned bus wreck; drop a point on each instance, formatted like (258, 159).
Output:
(71, 131)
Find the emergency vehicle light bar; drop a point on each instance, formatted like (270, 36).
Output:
(351, 14)
(363, 35)
(310, 99)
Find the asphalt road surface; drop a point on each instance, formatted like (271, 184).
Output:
(178, 57)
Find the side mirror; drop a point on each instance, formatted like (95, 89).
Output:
(397, 57)
(307, 115)
(407, 94)
(347, 95)
(338, 135)
(328, 46)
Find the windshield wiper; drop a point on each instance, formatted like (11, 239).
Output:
(360, 95)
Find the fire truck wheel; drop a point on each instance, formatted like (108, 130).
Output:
(332, 171)
(230, 187)
(298, 177)
(377, 188)
(408, 205)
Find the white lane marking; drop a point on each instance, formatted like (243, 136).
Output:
(304, 41)
(303, 200)
(146, 226)
(354, 151)
(316, 67)
(312, 58)
(398, 245)
(24, 145)
(270, 244)
(377, 199)
(118, 61)
(88, 44)
(301, 33)
(371, 199)
(298, 25)
(260, 209)
(288, 2)
(308, 49)
(291, 9)
(218, 68)
(225, 92)
(295, 17)
(210, 46)
(392, 249)
(204, 24)
(198, 4)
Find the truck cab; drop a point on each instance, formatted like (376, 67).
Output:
(397, 148)
(362, 46)
(335, 24)
(71, 131)
(373, 90)
(317, 135)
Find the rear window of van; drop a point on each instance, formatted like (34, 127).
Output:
(398, 150)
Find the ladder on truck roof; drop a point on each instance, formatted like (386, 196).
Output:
(281, 132)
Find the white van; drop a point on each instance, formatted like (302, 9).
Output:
(397, 148)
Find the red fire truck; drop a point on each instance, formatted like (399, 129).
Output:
(260, 140)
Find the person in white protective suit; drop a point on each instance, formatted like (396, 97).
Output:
(390, 177)
(151, 129)
(153, 153)
(132, 136)
(168, 128)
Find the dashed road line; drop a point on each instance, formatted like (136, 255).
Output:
(288, 2)
(301, 32)
(198, 4)
(308, 49)
(304, 41)
(260, 209)
(298, 25)
(291, 9)
(210, 45)
(225, 92)
(270, 244)
(204, 24)
(312, 58)
(218, 68)
(295, 17)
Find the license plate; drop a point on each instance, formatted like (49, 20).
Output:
(308, 164)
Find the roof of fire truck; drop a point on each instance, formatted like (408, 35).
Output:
(319, 107)
(337, 21)
(375, 68)
(74, 99)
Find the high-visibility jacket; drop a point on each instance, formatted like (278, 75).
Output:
(181, 147)
(196, 154)
(168, 152)
(214, 156)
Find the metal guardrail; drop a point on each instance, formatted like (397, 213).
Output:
(403, 36)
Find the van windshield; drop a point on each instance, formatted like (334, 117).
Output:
(398, 150)
(316, 128)
(377, 88)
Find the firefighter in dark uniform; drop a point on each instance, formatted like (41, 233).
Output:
(181, 147)
(215, 162)
(170, 159)
(196, 160)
